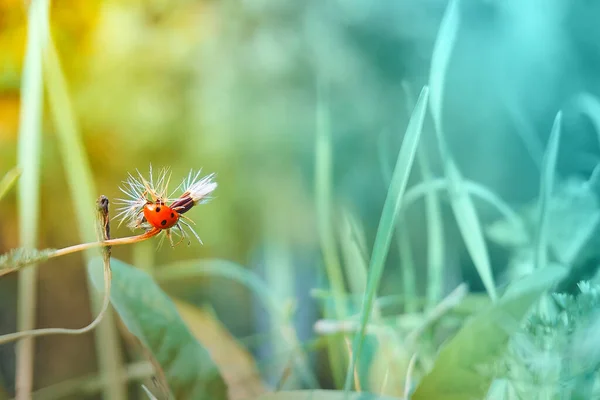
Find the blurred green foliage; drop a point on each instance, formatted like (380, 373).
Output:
(231, 87)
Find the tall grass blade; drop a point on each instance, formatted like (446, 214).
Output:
(440, 59)
(323, 193)
(323, 190)
(435, 225)
(462, 204)
(470, 227)
(409, 276)
(353, 252)
(28, 196)
(546, 186)
(9, 180)
(435, 236)
(387, 222)
(407, 265)
(82, 190)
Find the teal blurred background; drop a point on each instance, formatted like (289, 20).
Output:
(231, 87)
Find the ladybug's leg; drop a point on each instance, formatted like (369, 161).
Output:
(168, 232)
(160, 242)
(180, 240)
(187, 219)
(191, 230)
(183, 234)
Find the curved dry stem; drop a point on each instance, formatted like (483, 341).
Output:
(81, 247)
(65, 331)
(105, 243)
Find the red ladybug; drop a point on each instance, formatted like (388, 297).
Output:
(160, 215)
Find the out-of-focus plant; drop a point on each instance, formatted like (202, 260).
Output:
(556, 355)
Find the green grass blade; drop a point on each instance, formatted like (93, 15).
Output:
(462, 204)
(323, 188)
(325, 226)
(434, 222)
(28, 195)
(353, 246)
(353, 251)
(442, 51)
(152, 317)
(546, 186)
(387, 222)
(435, 236)
(9, 180)
(82, 191)
(409, 276)
(470, 228)
(407, 265)
(440, 59)
(457, 372)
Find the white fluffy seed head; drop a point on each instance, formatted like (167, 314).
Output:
(199, 190)
(140, 192)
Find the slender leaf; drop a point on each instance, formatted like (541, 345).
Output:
(353, 251)
(470, 227)
(236, 364)
(407, 264)
(440, 59)
(435, 235)
(28, 195)
(462, 204)
(323, 163)
(9, 180)
(546, 188)
(152, 317)
(460, 370)
(387, 222)
(324, 205)
(435, 225)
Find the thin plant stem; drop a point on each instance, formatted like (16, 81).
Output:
(86, 246)
(107, 243)
(104, 243)
(11, 337)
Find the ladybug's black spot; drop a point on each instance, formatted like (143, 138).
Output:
(163, 222)
(172, 215)
(158, 210)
